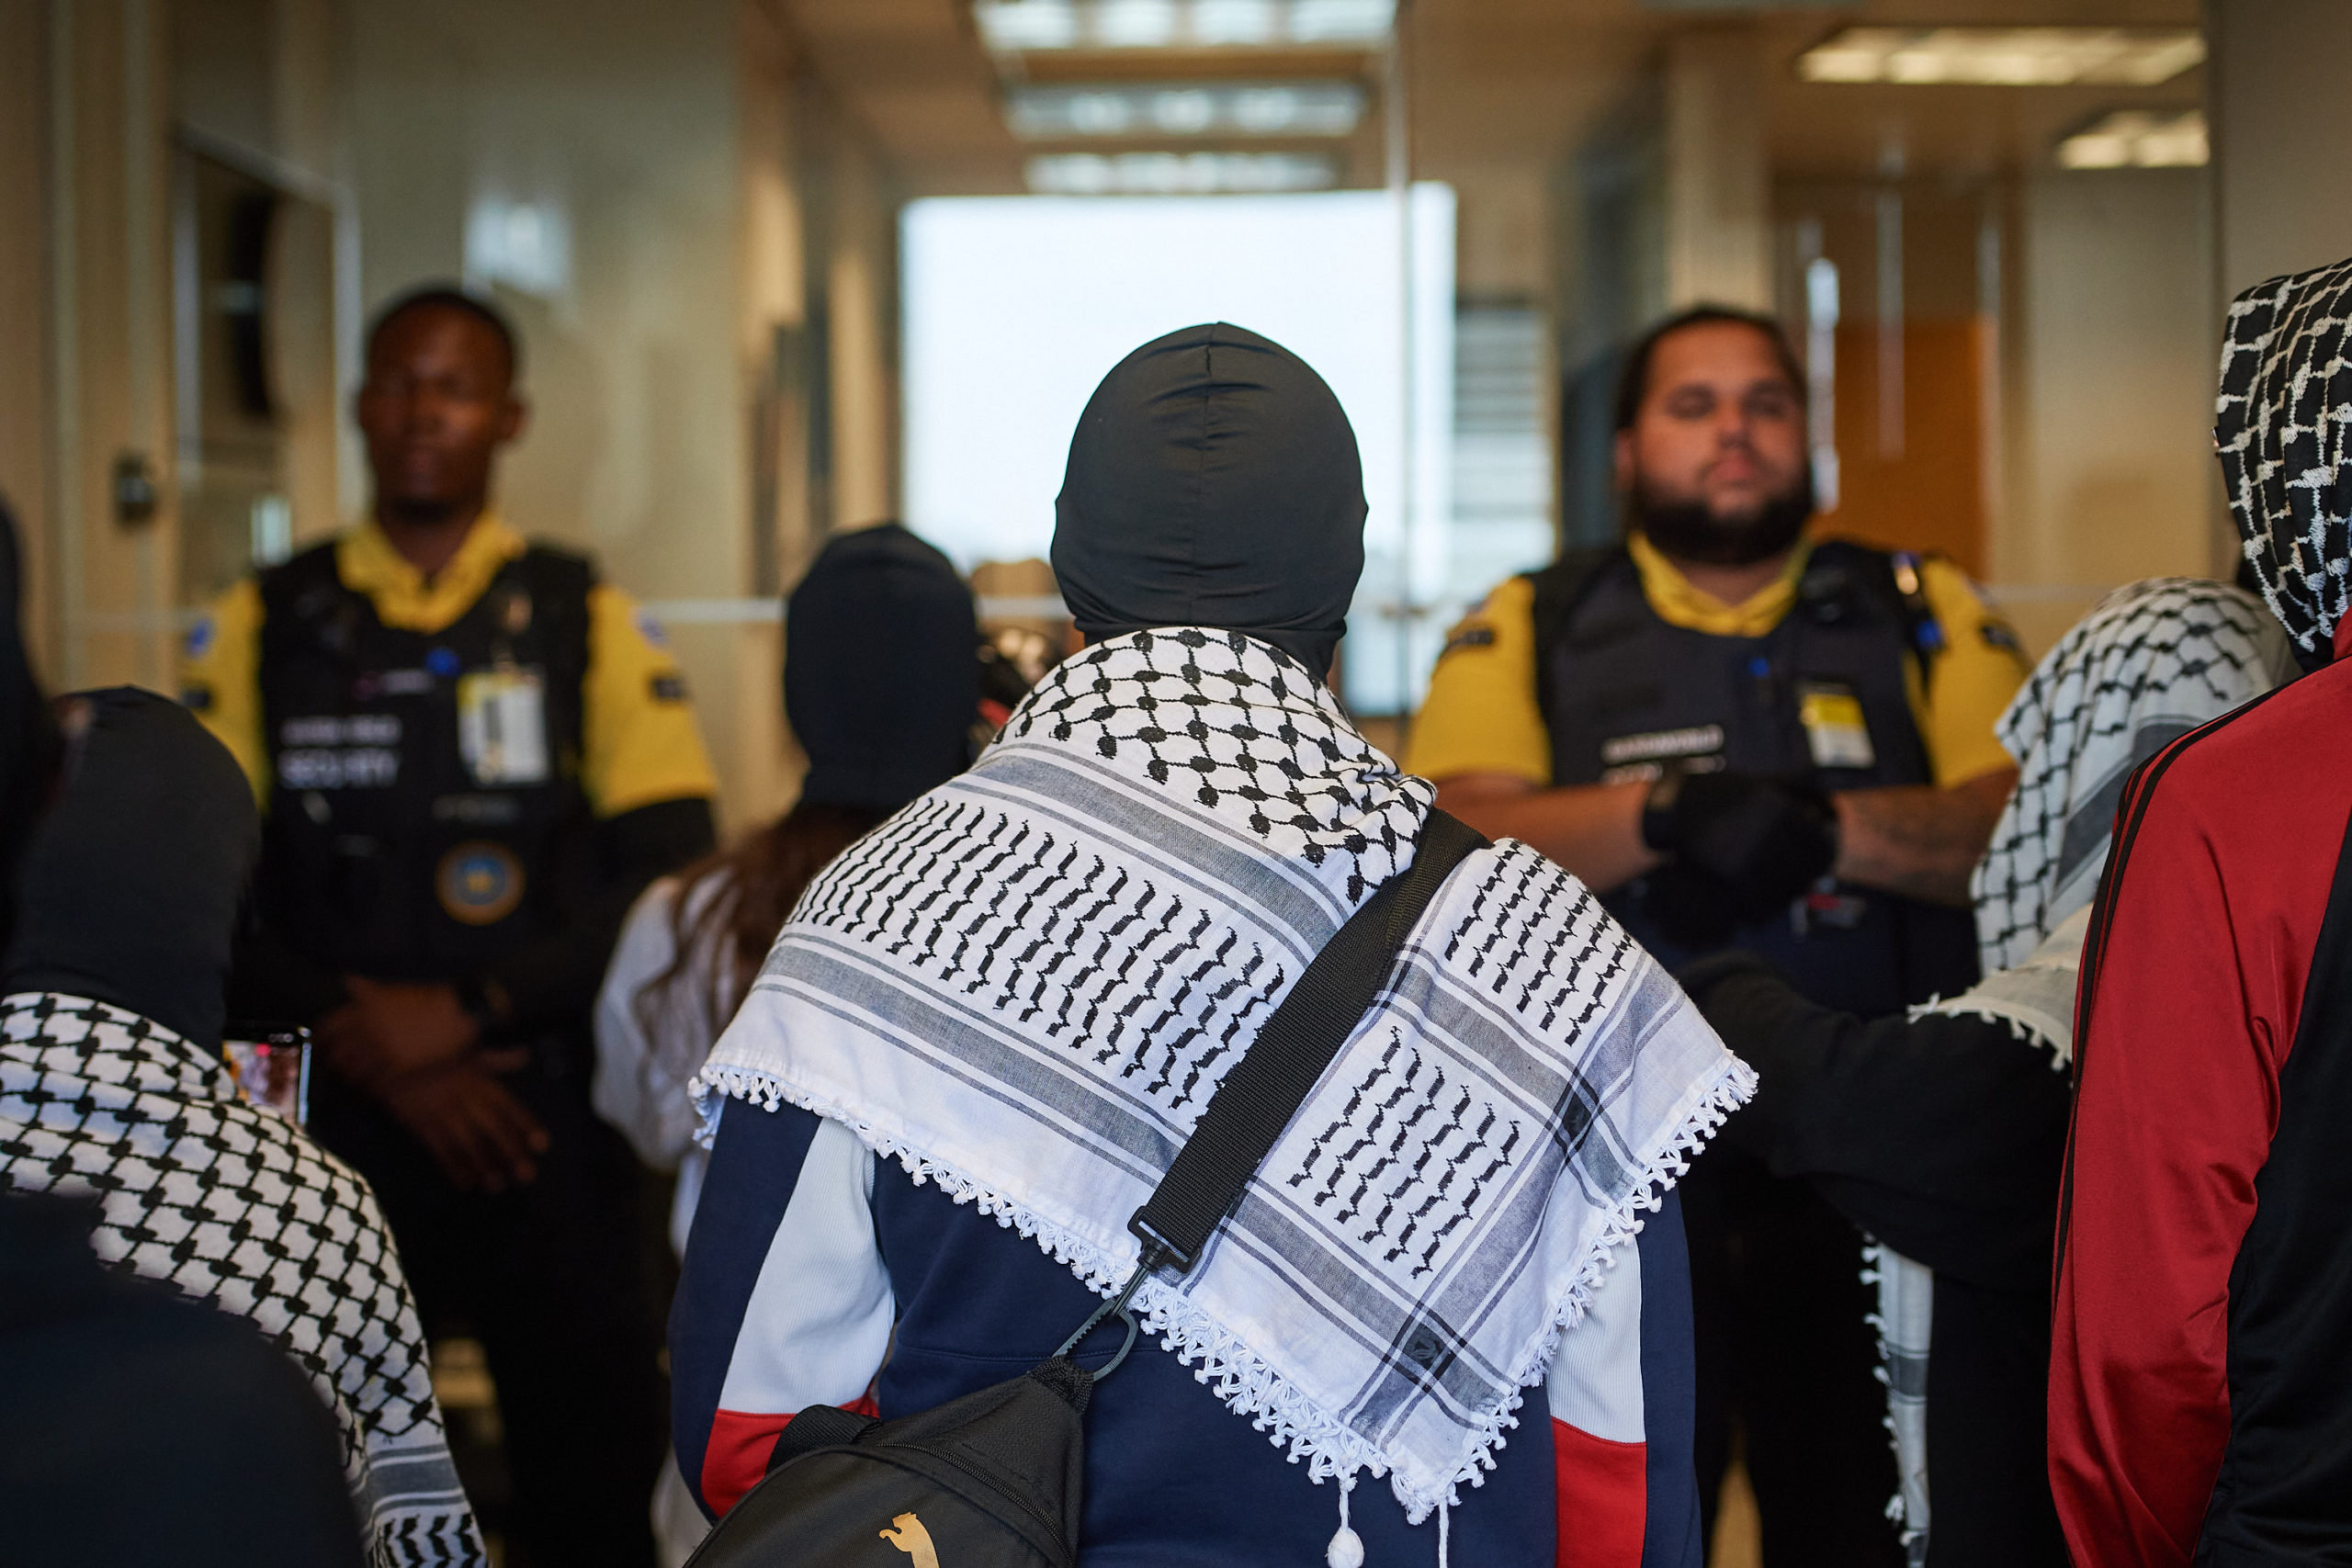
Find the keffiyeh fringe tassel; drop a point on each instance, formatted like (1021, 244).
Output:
(1241, 1380)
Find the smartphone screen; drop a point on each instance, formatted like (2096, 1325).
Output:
(273, 1066)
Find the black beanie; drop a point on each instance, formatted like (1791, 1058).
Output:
(1213, 481)
(881, 670)
(130, 887)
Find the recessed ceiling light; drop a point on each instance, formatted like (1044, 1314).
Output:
(1179, 174)
(2138, 139)
(1186, 109)
(1017, 26)
(2006, 57)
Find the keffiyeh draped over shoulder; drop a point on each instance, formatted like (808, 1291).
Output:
(1027, 985)
(232, 1206)
(2283, 429)
(2151, 662)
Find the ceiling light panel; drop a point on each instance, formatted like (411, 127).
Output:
(1180, 173)
(2138, 139)
(2005, 57)
(1196, 108)
(1010, 27)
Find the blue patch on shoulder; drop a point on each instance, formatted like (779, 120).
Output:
(199, 637)
(441, 661)
(651, 629)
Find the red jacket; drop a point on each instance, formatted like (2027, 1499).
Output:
(2200, 1378)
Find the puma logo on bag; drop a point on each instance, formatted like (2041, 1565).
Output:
(910, 1538)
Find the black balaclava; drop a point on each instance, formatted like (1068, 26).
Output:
(881, 670)
(1213, 481)
(130, 887)
(27, 735)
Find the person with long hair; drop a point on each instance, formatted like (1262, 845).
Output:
(882, 687)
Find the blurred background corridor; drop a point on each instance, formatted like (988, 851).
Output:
(789, 266)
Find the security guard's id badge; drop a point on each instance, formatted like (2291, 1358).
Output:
(1835, 729)
(503, 726)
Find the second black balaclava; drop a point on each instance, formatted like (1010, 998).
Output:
(130, 887)
(1213, 481)
(881, 670)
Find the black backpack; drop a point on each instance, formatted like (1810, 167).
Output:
(996, 1479)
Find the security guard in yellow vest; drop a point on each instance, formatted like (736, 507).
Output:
(1739, 736)
(471, 756)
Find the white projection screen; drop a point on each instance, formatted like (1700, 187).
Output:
(1015, 307)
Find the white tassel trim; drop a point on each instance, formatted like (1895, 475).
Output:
(1240, 1378)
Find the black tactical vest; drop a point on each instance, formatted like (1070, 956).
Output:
(1623, 690)
(427, 816)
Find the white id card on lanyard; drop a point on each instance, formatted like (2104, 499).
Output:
(503, 726)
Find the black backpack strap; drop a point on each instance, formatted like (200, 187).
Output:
(1893, 578)
(559, 583)
(305, 604)
(1266, 1088)
(819, 1427)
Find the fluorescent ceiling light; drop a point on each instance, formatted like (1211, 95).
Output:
(1177, 108)
(2137, 139)
(1179, 174)
(2006, 57)
(1015, 26)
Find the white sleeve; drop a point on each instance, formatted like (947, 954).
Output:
(819, 1322)
(1596, 1380)
(636, 1086)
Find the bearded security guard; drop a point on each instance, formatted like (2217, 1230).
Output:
(1741, 736)
(471, 756)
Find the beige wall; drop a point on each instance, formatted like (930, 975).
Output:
(668, 138)
(2109, 465)
(678, 142)
(25, 443)
(1718, 191)
(2282, 121)
(104, 301)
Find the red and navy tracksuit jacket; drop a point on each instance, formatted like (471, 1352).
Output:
(2200, 1379)
(816, 1273)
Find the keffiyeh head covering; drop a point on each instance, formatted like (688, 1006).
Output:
(2154, 660)
(112, 1083)
(2283, 429)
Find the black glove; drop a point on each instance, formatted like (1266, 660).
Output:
(1691, 910)
(1763, 841)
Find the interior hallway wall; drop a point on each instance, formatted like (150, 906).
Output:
(2109, 459)
(2281, 123)
(25, 442)
(660, 177)
(611, 126)
(85, 270)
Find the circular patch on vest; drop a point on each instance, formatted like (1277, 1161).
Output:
(479, 884)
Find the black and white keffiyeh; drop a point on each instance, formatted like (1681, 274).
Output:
(1027, 985)
(2283, 426)
(236, 1207)
(2151, 662)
